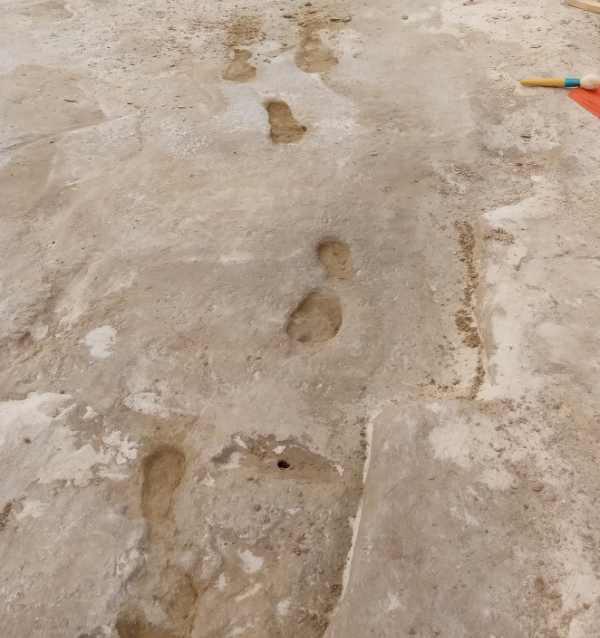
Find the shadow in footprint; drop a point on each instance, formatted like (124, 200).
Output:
(239, 70)
(284, 127)
(132, 623)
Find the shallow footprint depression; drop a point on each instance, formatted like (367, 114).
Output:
(239, 70)
(163, 470)
(314, 56)
(134, 625)
(284, 127)
(317, 318)
(335, 257)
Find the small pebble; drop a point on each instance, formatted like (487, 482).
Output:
(537, 487)
(405, 17)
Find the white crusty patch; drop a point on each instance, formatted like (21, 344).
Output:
(31, 507)
(249, 592)
(89, 413)
(451, 440)
(393, 602)
(100, 340)
(38, 331)
(146, 403)
(496, 478)
(234, 461)
(36, 445)
(238, 439)
(250, 563)
(208, 481)
(221, 582)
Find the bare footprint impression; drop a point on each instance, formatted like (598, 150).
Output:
(335, 257)
(284, 127)
(318, 317)
(239, 70)
(176, 595)
(162, 583)
(313, 56)
(163, 470)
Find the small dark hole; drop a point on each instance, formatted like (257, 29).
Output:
(282, 465)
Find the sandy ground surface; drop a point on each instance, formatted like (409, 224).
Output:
(298, 320)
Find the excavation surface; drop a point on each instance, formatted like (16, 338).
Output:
(298, 321)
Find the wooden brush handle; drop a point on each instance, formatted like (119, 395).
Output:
(557, 82)
(588, 5)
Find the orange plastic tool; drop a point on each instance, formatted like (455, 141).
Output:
(590, 100)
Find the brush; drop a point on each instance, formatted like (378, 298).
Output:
(589, 82)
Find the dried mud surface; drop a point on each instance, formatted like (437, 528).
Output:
(295, 343)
